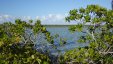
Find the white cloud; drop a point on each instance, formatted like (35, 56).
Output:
(53, 19)
(7, 18)
(25, 18)
(48, 19)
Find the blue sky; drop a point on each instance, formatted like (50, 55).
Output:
(45, 10)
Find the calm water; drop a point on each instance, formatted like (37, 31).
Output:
(63, 32)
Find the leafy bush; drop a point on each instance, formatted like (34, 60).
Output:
(99, 35)
(16, 43)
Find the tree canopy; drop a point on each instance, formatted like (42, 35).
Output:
(98, 35)
(17, 42)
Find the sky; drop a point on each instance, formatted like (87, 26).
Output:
(48, 11)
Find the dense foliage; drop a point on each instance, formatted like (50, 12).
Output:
(17, 39)
(17, 42)
(99, 36)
